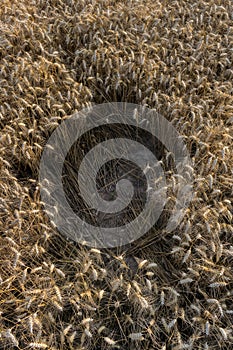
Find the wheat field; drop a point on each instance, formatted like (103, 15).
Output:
(167, 291)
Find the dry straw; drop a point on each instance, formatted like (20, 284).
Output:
(165, 291)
